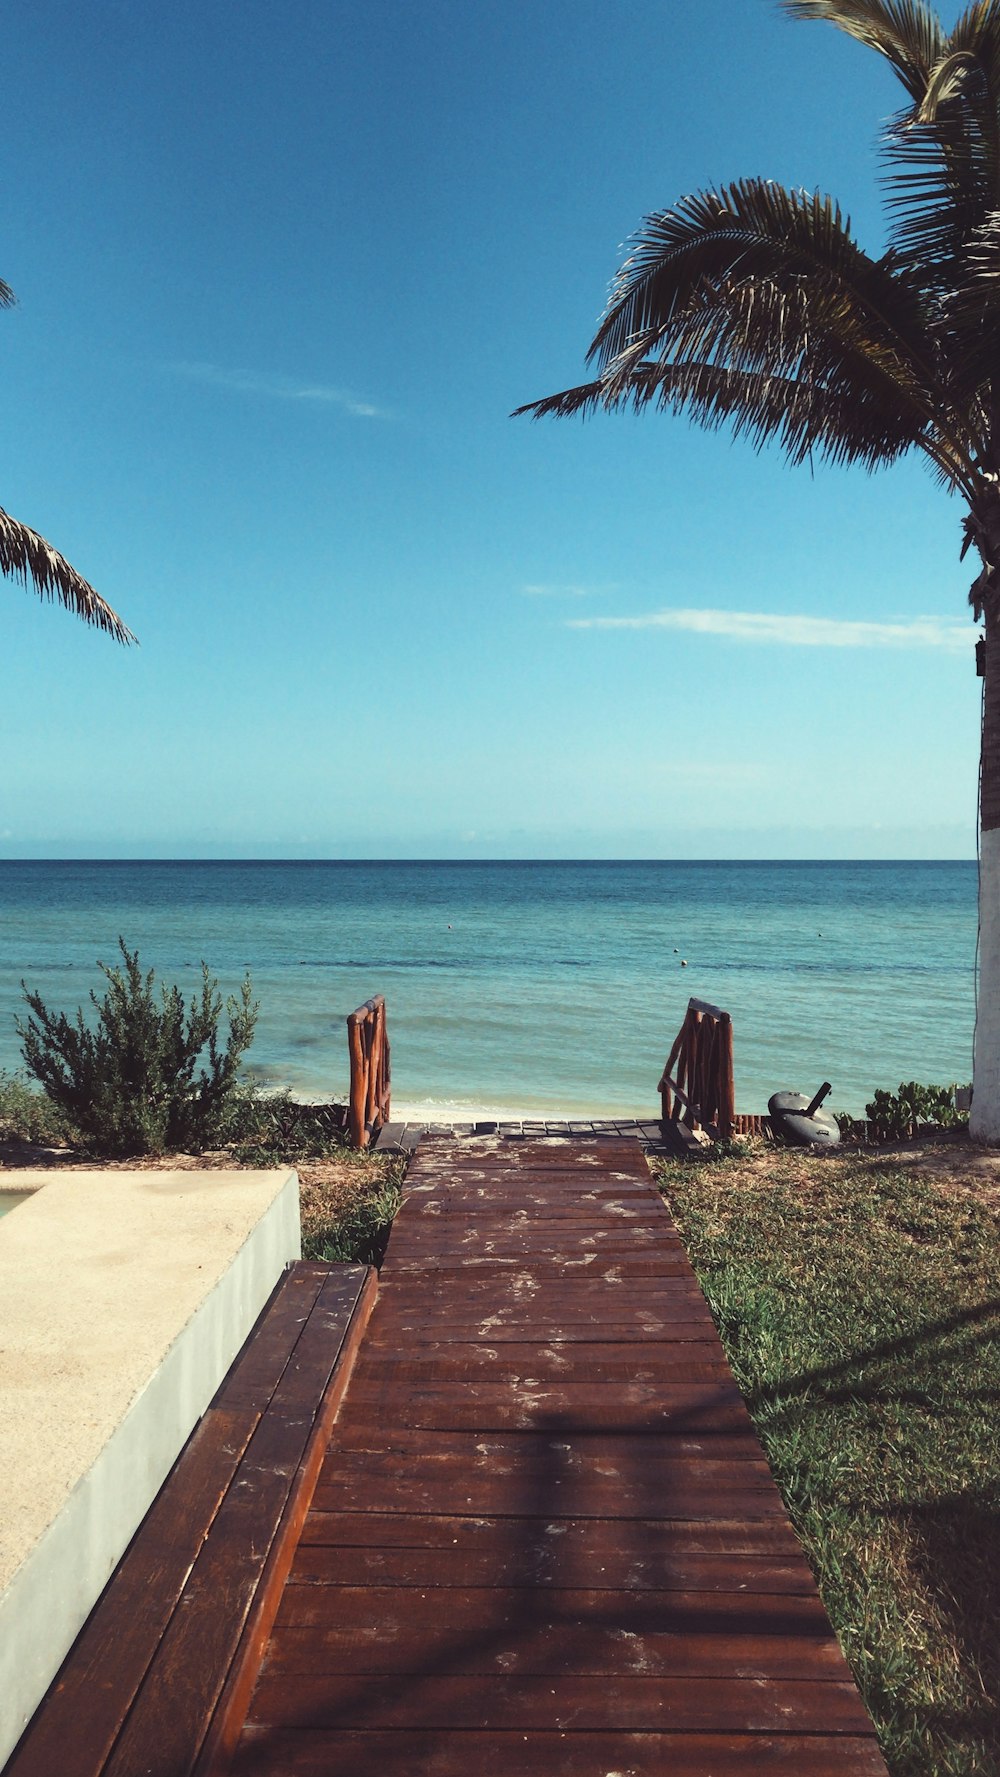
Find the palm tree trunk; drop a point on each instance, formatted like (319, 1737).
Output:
(984, 1120)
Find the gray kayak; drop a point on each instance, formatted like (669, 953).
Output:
(800, 1121)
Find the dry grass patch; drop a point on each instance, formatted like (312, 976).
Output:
(347, 1206)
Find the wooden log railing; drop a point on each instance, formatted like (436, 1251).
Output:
(368, 1045)
(696, 1087)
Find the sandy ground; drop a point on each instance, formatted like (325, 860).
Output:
(951, 1164)
(956, 1164)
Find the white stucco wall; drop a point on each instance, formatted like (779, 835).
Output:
(984, 1119)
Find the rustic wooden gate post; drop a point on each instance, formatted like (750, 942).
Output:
(368, 1048)
(696, 1086)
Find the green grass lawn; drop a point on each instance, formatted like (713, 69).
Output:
(859, 1302)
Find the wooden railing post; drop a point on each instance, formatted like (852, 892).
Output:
(368, 1048)
(696, 1086)
(727, 1106)
(359, 1084)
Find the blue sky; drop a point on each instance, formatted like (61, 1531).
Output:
(283, 272)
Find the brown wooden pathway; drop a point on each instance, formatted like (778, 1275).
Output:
(544, 1538)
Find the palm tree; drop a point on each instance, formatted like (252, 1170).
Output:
(754, 305)
(24, 556)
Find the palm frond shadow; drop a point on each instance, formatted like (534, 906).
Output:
(955, 1546)
(532, 1611)
(824, 1378)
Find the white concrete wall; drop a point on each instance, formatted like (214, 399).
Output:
(984, 1117)
(124, 1298)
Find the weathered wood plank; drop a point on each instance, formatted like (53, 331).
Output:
(548, 1496)
(436, 1363)
(527, 1288)
(568, 1703)
(536, 1646)
(606, 1560)
(613, 1455)
(298, 1752)
(572, 1406)
(395, 1330)
(676, 1538)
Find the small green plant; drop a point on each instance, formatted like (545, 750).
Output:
(26, 1115)
(130, 1085)
(852, 1128)
(733, 1147)
(897, 1115)
(269, 1128)
(360, 1234)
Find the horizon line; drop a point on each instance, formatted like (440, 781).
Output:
(498, 860)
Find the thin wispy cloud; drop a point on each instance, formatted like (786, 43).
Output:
(796, 632)
(279, 388)
(556, 590)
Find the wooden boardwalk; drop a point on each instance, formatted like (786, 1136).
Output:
(544, 1538)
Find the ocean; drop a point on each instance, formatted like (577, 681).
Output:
(531, 988)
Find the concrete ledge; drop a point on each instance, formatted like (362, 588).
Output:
(124, 1298)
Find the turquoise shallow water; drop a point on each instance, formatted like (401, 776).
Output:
(533, 987)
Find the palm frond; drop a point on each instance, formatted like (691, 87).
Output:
(941, 189)
(841, 418)
(755, 304)
(906, 32)
(945, 150)
(754, 229)
(806, 419)
(969, 325)
(24, 556)
(977, 34)
(585, 399)
(751, 276)
(953, 76)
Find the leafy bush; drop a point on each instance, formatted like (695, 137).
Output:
(129, 1086)
(896, 1115)
(27, 1115)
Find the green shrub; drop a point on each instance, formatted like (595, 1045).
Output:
(896, 1115)
(130, 1086)
(27, 1115)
